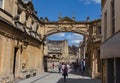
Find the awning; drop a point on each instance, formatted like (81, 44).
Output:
(111, 47)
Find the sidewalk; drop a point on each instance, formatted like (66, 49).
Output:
(56, 77)
(35, 78)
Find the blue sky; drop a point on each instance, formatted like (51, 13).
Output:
(73, 38)
(78, 8)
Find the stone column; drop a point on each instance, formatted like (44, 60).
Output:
(94, 66)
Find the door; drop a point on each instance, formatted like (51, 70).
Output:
(110, 71)
(118, 70)
(14, 60)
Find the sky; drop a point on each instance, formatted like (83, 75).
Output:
(78, 8)
(73, 38)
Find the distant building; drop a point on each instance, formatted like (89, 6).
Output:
(58, 48)
(57, 51)
(73, 53)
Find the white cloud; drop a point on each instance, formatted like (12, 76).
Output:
(77, 36)
(73, 38)
(97, 1)
(75, 41)
(69, 37)
(91, 1)
(58, 35)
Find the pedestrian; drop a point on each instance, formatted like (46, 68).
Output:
(59, 67)
(63, 67)
(82, 67)
(53, 66)
(75, 66)
(68, 66)
(65, 72)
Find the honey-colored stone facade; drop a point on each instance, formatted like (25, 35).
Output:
(93, 49)
(22, 39)
(21, 47)
(56, 52)
(90, 49)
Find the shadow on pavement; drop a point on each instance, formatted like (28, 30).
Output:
(77, 72)
(40, 78)
(53, 72)
(71, 80)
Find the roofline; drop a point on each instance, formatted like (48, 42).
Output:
(76, 22)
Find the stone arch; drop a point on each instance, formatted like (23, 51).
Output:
(63, 31)
(66, 25)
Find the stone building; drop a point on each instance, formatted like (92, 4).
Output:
(22, 36)
(57, 51)
(89, 49)
(21, 48)
(93, 61)
(73, 54)
(110, 53)
(81, 50)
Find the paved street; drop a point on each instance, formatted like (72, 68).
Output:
(55, 77)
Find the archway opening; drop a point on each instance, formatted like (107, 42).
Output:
(63, 47)
(73, 39)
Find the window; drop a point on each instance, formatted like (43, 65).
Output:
(112, 17)
(1, 3)
(105, 25)
(99, 30)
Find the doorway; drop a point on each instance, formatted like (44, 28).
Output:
(118, 70)
(110, 71)
(14, 60)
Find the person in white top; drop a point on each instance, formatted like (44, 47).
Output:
(68, 66)
(63, 67)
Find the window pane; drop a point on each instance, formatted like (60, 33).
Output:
(1, 1)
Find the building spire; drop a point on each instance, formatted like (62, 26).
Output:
(88, 18)
(73, 16)
(60, 16)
